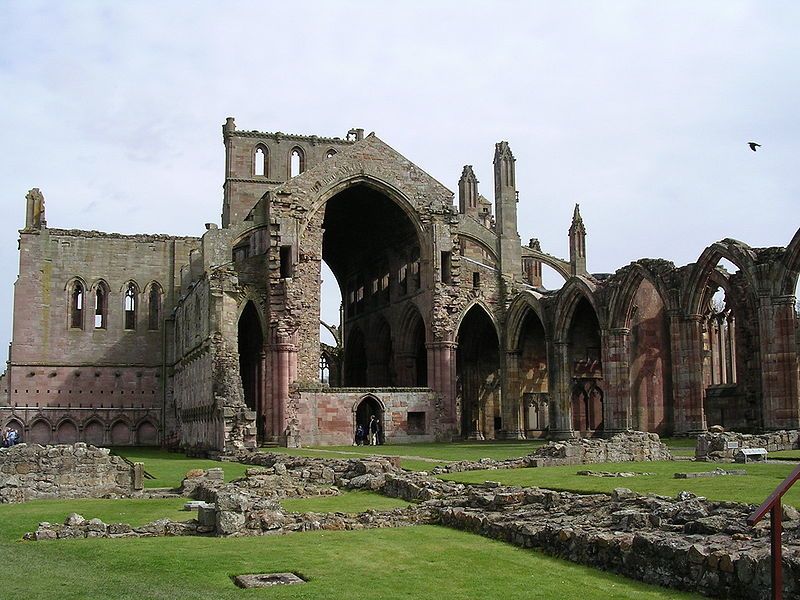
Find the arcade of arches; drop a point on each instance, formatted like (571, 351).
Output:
(446, 330)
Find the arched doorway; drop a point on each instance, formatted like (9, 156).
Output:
(478, 375)
(251, 363)
(587, 371)
(368, 408)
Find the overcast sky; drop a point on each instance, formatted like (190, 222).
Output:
(640, 111)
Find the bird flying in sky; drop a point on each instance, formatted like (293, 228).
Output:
(754, 145)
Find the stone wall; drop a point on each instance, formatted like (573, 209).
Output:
(31, 471)
(724, 445)
(328, 416)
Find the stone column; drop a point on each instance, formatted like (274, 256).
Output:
(779, 383)
(561, 402)
(686, 343)
(284, 372)
(442, 379)
(511, 399)
(617, 414)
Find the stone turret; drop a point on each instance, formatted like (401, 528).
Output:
(34, 210)
(577, 243)
(468, 192)
(505, 199)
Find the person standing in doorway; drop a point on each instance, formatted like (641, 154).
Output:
(373, 431)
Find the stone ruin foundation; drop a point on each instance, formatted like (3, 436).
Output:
(31, 471)
(684, 542)
(724, 445)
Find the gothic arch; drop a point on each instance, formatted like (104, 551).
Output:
(394, 194)
(790, 267)
(620, 308)
(146, 432)
(40, 431)
(264, 159)
(120, 432)
(94, 431)
(739, 253)
(481, 304)
(67, 431)
(249, 299)
(574, 290)
(519, 309)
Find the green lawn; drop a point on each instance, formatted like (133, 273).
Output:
(405, 563)
(169, 468)
(347, 502)
(444, 451)
(752, 488)
(785, 455)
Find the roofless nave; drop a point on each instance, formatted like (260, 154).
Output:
(213, 342)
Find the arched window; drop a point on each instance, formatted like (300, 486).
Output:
(101, 306)
(297, 162)
(261, 161)
(330, 153)
(324, 369)
(130, 306)
(76, 306)
(154, 307)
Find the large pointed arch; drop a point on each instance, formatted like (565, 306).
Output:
(521, 305)
(790, 267)
(739, 253)
(620, 306)
(569, 296)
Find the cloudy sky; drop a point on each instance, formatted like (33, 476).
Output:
(640, 111)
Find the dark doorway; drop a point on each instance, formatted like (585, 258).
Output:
(367, 408)
(251, 363)
(478, 376)
(355, 360)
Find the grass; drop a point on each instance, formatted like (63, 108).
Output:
(403, 563)
(785, 455)
(169, 468)
(347, 502)
(444, 451)
(753, 488)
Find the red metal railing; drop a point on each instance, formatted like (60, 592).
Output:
(772, 505)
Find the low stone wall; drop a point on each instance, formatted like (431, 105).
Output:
(622, 447)
(724, 445)
(31, 471)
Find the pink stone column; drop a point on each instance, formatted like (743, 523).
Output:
(779, 367)
(616, 372)
(441, 377)
(284, 372)
(686, 342)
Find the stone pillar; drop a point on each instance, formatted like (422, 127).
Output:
(264, 408)
(561, 403)
(686, 343)
(731, 348)
(284, 372)
(778, 363)
(617, 413)
(442, 379)
(511, 399)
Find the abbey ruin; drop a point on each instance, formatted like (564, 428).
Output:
(212, 343)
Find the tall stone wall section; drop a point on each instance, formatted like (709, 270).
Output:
(100, 384)
(31, 472)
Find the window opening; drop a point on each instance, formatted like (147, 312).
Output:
(260, 162)
(100, 305)
(330, 153)
(154, 308)
(324, 369)
(476, 280)
(445, 267)
(77, 306)
(286, 262)
(130, 306)
(297, 162)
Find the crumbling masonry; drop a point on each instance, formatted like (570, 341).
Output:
(213, 343)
